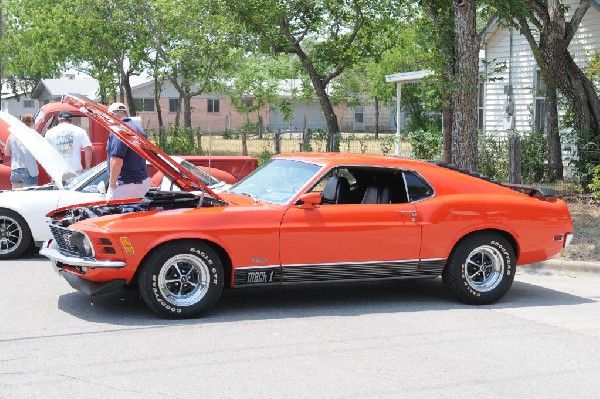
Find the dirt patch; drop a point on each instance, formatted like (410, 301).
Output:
(585, 212)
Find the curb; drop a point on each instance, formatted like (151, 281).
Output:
(561, 266)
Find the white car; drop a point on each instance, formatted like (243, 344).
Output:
(23, 211)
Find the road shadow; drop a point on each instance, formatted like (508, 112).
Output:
(125, 307)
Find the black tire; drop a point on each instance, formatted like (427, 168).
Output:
(181, 280)
(15, 236)
(480, 269)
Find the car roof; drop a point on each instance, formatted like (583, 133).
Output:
(331, 159)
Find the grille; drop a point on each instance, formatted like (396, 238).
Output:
(62, 237)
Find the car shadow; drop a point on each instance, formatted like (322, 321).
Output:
(126, 307)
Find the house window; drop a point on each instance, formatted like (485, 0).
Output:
(247, 102)
(541, 88)
(173, 105)
(28, 104)
(213, 105)
(358, 114)
(480, 105)
(144, 104)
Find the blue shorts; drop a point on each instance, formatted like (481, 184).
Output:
(19, 176)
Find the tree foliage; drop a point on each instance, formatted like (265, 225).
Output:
(327, 36)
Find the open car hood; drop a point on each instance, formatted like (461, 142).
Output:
(138, 143)
(47, 156)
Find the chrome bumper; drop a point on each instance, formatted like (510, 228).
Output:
(56, 256)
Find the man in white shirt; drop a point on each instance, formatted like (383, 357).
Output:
(69, 140)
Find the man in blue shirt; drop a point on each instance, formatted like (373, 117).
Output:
(128, 177)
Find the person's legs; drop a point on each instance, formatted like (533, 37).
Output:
(18, 177)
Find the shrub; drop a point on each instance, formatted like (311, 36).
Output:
(492, 156)
(426, 144)
(594, 185)
(230, 134)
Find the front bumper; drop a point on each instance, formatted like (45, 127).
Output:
(92, 288)
(56, 256)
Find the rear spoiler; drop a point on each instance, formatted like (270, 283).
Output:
(532, 191)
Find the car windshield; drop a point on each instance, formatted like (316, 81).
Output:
(276, 181)
(84, 176)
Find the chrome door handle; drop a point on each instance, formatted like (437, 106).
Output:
(413, 215)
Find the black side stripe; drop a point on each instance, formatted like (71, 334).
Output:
(339, 272)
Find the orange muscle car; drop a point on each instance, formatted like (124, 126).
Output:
(305, 218)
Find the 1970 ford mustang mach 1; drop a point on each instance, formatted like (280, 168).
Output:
(306, 218)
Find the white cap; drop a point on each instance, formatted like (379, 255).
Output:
(117, 107)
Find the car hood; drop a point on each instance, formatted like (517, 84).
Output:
(138, 143)
(47, 156)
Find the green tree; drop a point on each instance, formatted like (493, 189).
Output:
(104, 38)
(196, 42)
(327, 36)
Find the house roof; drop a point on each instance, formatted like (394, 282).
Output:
(55, 88)
(408, 77)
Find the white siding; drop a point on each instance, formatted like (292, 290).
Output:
(523, 66)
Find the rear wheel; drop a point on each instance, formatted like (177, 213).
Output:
(480, 269)
(15, 237)
(181, 280)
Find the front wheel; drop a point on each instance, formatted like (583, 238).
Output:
(480, 269)
(181, 280)
(15, 237)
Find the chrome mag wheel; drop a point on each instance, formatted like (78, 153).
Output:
(11, 235)
(184, 280)
(484, 268)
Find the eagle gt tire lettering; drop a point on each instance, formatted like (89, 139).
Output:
(181, 279)
(480, 269)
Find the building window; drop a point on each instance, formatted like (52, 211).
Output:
(480, 105)
(541, 88)
(358, 114)
(173, 105)
(28, 104)
(144, 104)
(247, 102)
(213, 105)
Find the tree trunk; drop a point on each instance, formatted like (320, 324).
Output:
(555, 163)
(579, 89)
(464, 98)
(447, 126)
(157, 91)
(179, 108)
(187, 110)
(551, 52)
(129, 95)
(333, 128)
(244, 134)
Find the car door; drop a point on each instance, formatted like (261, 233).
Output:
(338, 242)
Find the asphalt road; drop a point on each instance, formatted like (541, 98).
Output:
(388, 340)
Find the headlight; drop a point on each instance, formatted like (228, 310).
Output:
(82, 243)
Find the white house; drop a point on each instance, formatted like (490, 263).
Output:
(51, 90)
(513, 97)
(17, 101)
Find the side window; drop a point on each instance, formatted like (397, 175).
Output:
(342, 172)
(417, 188)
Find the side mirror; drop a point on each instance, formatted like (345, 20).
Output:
(101, 187)
(309, 200)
